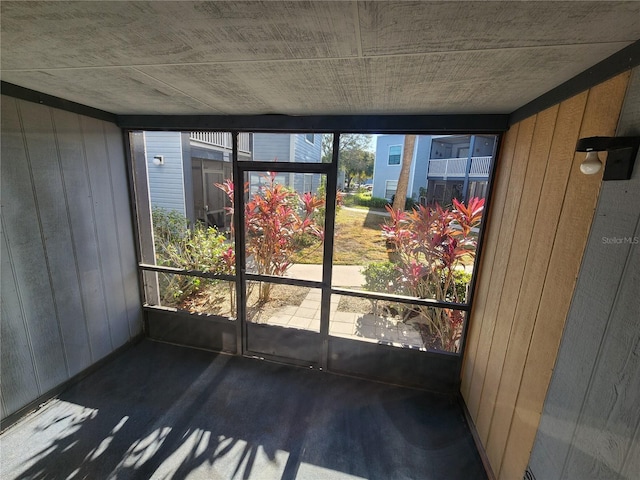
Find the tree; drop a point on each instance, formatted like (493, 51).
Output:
(400, 198)
(356, 164)
(355, 158)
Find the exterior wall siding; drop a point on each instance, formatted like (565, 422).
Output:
(420, 166)
(306, 152)
(542, 209)
(268, 147)
(69, 276)
(166, 182)
(590, 425)
(382, 170)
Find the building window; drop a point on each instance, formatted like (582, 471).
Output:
(310, 137)
(395, 152)
(390, 188)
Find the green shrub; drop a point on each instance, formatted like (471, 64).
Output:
(364, 200)
(410, 204)
(461, 280)
(305, 239)
(376, 202)
(197, 248)
(169, 227)
(350, 200)
(381, 277)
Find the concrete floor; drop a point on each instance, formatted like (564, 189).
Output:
(159, 411)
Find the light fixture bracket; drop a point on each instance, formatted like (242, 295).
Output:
(621, 154)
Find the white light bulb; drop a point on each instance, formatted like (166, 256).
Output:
(591, 164)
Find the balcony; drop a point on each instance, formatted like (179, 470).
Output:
(456, 167)
(222, 139)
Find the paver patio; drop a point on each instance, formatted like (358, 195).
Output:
(358, 326)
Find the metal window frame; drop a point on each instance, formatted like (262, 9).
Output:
(327, 290)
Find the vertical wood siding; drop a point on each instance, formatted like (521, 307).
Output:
(538, 225)
(591, 422)
(69, 282)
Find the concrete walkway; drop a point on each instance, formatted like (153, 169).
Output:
(366, 212)
(343, 275)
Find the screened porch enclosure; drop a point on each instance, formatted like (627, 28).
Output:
(284, 271)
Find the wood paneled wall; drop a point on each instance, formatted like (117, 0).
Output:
(590, 427)
(541, 212)
(69, 281)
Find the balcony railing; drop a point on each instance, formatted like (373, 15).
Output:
(457, 167)
(480, 166)
(222, 139)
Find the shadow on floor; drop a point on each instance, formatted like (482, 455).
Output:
(160, 411)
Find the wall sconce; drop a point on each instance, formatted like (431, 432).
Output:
(158, 160)
(621, 156)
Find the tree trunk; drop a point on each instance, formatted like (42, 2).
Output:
(403, 180)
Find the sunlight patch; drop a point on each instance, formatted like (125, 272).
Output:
(306, 470)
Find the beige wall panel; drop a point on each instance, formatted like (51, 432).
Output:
(533, 250)
(600, 118)
(486, 275)
(547, 217)
(538, 158)
(499, 274)
(479, 332)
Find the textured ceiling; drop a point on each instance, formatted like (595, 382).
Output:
(320, 57)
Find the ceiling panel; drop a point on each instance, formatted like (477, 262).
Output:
(391, 28)
(483, 81)
(114, 89)
(318, 57)
(80, 34)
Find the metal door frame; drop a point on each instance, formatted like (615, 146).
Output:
(328, 169)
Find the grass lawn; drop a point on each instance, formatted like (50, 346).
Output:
(358, 241)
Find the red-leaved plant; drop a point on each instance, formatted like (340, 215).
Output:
(430, 243)
(274, 215)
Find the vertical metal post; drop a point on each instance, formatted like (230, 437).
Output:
(480, 246)
(134, 146)
(327, 263)
(187, 175)
(239, 238)
(467, 171)
(143, 220)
